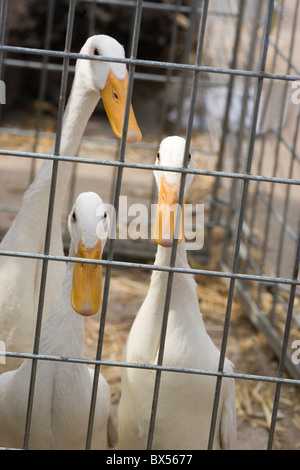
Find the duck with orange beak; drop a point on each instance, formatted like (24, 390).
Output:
(185, 401)
(62, 394)
(168, 184)
(86, 297)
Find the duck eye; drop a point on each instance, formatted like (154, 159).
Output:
(115, 96)
(105, 215)
(190, 156)
(158, 156)
(74, 218)
(96, 52)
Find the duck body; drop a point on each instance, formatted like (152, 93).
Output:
(62, 394)
(20, 277)
(185, 401)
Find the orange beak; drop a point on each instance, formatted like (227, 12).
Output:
(86, 297)
(165, 218)
(114, 99)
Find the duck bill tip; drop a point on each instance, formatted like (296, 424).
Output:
(86, 295)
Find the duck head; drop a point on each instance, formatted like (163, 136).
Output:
(111, 79)
(171, 154)
(88, 226)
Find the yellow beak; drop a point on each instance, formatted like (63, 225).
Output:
(114, 99)
(165, 218)
(86, 297)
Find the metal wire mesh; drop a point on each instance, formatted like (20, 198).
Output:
(237, 54)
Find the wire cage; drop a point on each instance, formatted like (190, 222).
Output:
(224, 75)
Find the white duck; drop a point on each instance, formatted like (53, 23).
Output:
(20, 278)
(185, 400)
(62, 394)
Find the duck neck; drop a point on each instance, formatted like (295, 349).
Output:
(79, 109)
(159, 279)
(163, 256)
(63, 329)
(147, 325)
(30, 223)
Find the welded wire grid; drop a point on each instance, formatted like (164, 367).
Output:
(233, 85)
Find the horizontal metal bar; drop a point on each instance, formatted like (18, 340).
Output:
(280, 219)
(284, 56)
(285, 143)
(260, 321)
(162, 7)
(125, 264)
(51, 135)
(223, 174)
(135, 365)
(34, 64)
(104, 140)
(153, 77)
(13, 209)
(149, 63)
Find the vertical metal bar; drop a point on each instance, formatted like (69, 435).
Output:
(137, 23)
(62, 99)
(2, 28)
(266, 230)
(234, 62)
(271, 195)
(162, 123)
(284, 97)
(233, 201)
(171, 58)
(263, 142)
(43, 82)
(174, 246)
(91, 16)
(290, 175)
(284, 344)
(186, 60)
(117, 154)
(240, 224)
(4, 7)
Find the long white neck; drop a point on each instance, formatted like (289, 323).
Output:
(27, 233)
(81, 105)
(159, 279)
(63, 329)
(183, 303)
